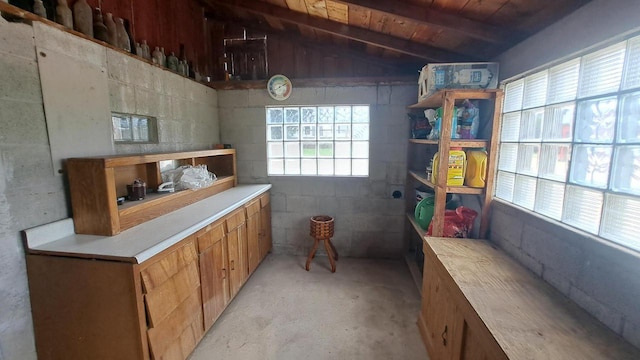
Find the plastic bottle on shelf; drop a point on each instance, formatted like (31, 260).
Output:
(476, 168)
(457, 167)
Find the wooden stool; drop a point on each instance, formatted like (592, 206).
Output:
(321, 228)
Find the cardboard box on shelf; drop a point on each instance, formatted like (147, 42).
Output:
(434, 77)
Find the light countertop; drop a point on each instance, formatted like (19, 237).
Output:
(141, 242)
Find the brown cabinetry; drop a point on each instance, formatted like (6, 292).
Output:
(213, 260)
(264, 236)
(253, 234)
(237, 247)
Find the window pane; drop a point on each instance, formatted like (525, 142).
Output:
(292, 150)
(275, 115)
(275, 150)
(325, 114)
(361, 114)
(274, 132)
(291, 115)
(535, 90)
(524, 193)
(596, 120)
(276, 166)
(343, 166)
(309, 149)
(508, 157)
(325, 149)
(292, 132)
(528, 159)
(343, 131)
(550, 198)
(309, 115)
(582, 208)
(513, 96)
(601, 71)
(325, 132)
(626, 170)
(629, 120)
(360, 167)
(590, 165)
(620, 220)
(325, 166)
(563, 81)
(343, 149)
(504, 185)
(343, 114)
(554, 161)
(292, 167)
(139, 129)
(308, 167)
(360, 149)
(360, 132)
(558, 122)
(308, 132)
(632, 65)
(121, 128)
(510, 127)
(531, 126)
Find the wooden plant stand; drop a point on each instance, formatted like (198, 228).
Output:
(321, 228)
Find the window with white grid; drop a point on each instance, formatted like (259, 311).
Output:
(318, 140)
(570, 143)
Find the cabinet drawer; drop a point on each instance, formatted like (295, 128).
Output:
(252, 208)
(168, 266)
(209, 236)
(264, 199)
(235, 219)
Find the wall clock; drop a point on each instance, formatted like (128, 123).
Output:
(279, 87)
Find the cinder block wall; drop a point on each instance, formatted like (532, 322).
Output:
(369, 222)
(602, 278)
(30, 193)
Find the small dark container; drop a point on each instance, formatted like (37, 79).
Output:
(137, 190)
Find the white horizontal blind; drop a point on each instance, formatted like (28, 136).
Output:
(570, 143)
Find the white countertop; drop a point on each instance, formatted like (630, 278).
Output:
(145, 240)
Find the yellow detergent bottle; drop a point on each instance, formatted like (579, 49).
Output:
(476, 168)
(457, 167)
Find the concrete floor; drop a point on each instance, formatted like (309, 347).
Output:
(366, 310)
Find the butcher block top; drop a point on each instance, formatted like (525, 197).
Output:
(528, 318)
(143, 241)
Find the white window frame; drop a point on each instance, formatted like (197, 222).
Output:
(318, 140)
(566, 151)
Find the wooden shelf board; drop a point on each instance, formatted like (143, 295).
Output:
(437, 98)
(463, 143)
(421, 232)
(449, 189)
(415, 272)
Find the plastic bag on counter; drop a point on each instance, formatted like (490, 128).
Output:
(457, 223)
(189, 177)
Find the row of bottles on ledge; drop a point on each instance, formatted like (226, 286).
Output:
(91, 22)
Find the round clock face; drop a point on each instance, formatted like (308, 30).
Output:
(279, 87)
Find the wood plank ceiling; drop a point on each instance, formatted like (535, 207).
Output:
(418, 31)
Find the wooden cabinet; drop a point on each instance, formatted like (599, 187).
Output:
(171, 287)
(264, 236)
(97, 182)
(253, 234)
(480, 304)
(213, 260)
(237, 247)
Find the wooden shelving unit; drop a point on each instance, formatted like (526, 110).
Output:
(490, 114)
(97, 182)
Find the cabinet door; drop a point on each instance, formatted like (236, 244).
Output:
(253, 231)
(171, 286)
(212, 247)
(264, 238)
(235, 266)
(439, 315)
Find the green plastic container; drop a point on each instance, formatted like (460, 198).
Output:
(424, 211)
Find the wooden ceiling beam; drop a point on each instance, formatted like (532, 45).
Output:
(429, 53)
(438, 19)
(328, 49)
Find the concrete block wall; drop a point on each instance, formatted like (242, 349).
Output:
(368, 221)
(600, 277)
(30, 193)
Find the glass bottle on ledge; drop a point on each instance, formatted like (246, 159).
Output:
(123, 37)
(172, 62)
(38, 8)
(112, 31)
(64, 16)
(100, 30)
(146, 53)
(83, 17)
